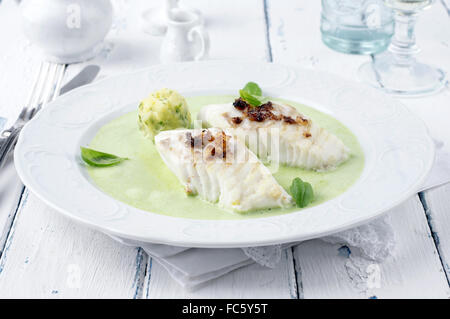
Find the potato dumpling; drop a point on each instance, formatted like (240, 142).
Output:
(163, 110)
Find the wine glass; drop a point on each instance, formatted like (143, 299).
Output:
(397, 71)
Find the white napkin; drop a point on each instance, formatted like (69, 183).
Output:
(192, 267)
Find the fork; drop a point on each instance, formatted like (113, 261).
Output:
(46, 88)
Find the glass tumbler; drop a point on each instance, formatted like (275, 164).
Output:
(356, 26)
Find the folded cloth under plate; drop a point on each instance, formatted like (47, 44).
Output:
(192, 267)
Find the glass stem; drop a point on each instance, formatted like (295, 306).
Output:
(403, 45)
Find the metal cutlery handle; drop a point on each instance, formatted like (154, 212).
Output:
(7, 142)
(46, 88)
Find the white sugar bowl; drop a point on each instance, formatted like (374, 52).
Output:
(67, 31)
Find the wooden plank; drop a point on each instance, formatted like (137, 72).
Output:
(18, 67)
(11, 190)
(253, 281)
(295, 38)
(46, 255)
(437, 207)
(414, 271)
(45, 250)
(16, 80)
(227, 27)
(294, 32)
(49, 256)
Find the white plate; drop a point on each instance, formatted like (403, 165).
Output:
(398, 150)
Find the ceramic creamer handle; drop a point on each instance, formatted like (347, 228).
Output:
(200, 33)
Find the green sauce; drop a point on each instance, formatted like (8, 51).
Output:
(146, 182)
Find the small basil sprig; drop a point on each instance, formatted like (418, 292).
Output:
(100, 159)
(302, 192)
(252, 93)
(253, 88)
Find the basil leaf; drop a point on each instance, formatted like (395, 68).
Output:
(253, 89)
(100, 159)
(250, 98)
(302, 192)
(252, 93)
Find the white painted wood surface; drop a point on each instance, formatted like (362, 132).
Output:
(253, 281)
(322, 268)
(16, 80)
(328, 271)
(437, 204)
(91, 254)
(49, 256)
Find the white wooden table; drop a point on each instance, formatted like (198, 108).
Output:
(45, 255)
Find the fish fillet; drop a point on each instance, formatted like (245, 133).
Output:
(277, 132)
(219, 168)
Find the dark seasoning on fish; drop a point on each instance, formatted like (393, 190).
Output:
(215, 146)
(264, 112)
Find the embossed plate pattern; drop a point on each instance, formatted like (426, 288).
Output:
(399, 153)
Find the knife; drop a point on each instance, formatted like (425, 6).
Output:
(8, 138)
(86, 76)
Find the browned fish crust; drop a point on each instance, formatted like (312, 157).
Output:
(217, 145)
(262, 113)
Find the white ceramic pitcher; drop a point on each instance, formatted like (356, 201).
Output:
(186, 39)
(67, 31)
